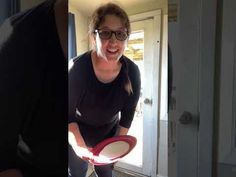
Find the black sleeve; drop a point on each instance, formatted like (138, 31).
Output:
(127, 113)
(11, 96)
(76, 88)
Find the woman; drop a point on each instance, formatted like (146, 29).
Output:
(104, 88)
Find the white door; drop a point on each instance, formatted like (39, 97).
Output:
(191, 40)
(142, 160)
(226, 105)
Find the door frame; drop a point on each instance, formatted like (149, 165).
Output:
(225, 161)
(207, 86)
(156, 16)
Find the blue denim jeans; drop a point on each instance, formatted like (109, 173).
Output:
(78, 167)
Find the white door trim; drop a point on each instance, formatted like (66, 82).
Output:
(156, 15)
(145, 15)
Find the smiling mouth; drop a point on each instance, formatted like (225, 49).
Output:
(112, 51)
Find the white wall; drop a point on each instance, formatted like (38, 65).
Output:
(148, 6)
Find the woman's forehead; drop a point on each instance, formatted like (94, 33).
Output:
(112, 21)
(113, 28)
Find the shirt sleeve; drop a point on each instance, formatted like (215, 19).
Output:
(128, 111)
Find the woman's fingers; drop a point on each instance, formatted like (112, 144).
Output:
(83, 152)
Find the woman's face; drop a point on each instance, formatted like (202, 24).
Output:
(111, 49)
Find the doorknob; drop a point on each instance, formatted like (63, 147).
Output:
(186, 118)
(148, 101)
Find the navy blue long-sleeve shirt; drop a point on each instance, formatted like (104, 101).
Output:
(94, 105)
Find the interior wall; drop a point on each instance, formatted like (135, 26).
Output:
(148, 6)
(26, 4)
(81, 23)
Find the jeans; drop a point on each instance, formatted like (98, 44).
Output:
(78, 167)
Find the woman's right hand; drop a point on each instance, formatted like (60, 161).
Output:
(83, 152)
(77, 142)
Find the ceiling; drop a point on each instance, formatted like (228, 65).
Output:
(88, 6)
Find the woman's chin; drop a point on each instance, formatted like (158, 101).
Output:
(113, 57)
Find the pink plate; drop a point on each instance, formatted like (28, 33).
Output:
(112, 149)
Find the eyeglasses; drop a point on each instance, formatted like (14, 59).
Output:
(106, 34)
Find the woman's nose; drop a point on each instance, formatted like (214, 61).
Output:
(113, 38)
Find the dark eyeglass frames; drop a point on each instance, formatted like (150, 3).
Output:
(106, 34)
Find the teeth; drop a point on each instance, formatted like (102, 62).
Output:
(112, 50)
